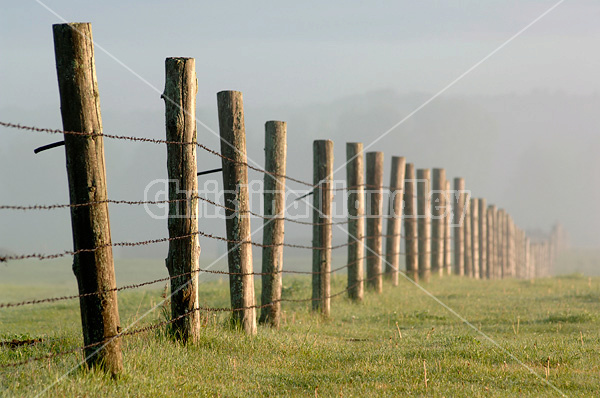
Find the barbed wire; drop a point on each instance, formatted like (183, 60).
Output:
(153, 141)
(160, 141)
(173, 320)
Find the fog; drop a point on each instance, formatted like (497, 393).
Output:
(522, 128)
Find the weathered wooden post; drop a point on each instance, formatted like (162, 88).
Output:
(483, 261)
(506, 261)
(523, 243)
(374, 220)
(458, 222)
(510, 247)
(183, 258)
(517, 256)
(491, 242)
(501, 221)
(355, 180)
(534, 260)
(475, 237)
(467, 238)
(424, 212)
(86, 171)
(394, 221)
(273, 227)
(448, 230)
(528, 267)
(236, 195)
(322, 177)
(438, 217)
(410, 224)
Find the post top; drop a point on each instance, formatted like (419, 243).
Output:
(70, 24)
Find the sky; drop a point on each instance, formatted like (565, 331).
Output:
(521, 127)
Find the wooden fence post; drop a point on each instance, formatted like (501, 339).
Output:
(410, 223)
(458, 221)
(448, 230)
(355, 180)
(501, 220)
(235, 185)
(183, 258)
(274, 211)
(483, 261)
(394, 221)
(534, 260)
(505, 246)
(94, 270)
(528, 268)
(438, 212)
(517, 257)
(374, 220)
(322, 177)
(424, 213)
(467, 238)
(491, 242)
(510, 246)
(475, 237)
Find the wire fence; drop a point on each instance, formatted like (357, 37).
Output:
(167, 322)
(329, 222)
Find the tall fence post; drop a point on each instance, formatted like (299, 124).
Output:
(94, 269)
(410, 223)
(483, 240)
(394, 221)
(355, 180)
(424, 212)
(448, 230)
(458, 221)
(528, 267)
(322, 177)
(374, 220)
(501, 221)
(273, 227)
(467, 238)
(505, 246)
(510, 247)
(183, 258)
(235, 184)
(475, 237)
(520, 256)
(438, 212)
(491, 242)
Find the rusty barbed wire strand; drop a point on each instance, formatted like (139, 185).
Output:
(128, 333)
(159, 141)
(173, 320)
(153, 241)
(158, 202)
(149, 140)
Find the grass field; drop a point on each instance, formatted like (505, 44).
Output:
(380, 347)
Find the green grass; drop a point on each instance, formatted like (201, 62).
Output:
(357, 352)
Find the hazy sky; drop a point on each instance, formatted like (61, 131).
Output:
(301, 52)
(318, 65)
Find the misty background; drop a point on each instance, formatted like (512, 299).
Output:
(522, 128)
